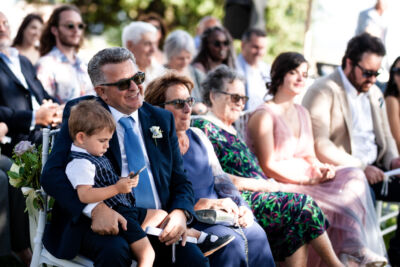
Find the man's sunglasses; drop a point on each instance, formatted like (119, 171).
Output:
(71, 26)
(180, 103)
(396, 71)
(125, 84)
(368, 73)
(235, 98)
(220, 44)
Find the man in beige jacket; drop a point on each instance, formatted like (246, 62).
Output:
(349, 120)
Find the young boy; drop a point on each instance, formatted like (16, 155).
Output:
(92, 175)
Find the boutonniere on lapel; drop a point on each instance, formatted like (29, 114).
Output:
(156, 133)
(381, 101)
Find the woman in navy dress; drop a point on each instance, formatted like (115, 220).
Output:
(212, 187)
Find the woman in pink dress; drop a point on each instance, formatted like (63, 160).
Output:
(279, 133)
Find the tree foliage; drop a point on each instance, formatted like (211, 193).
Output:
(285, 19)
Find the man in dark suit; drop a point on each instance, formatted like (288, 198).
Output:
(24, 108)
(114, 75)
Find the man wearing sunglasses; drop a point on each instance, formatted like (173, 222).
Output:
(349, 119)
(145, 136)
(62, 73)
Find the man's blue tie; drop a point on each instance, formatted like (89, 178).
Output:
(135, 157)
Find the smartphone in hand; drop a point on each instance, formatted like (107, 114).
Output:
(132, 175)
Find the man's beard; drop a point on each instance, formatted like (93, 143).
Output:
(65, 42)
(360, 87)
(4, 44)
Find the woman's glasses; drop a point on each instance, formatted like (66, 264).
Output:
(220, 44)
(235, 98)
(180, 103)
(125, 84)
(396, 71)
(71, 26)
(368, 73)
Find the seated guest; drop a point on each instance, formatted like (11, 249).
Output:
(212, 187)
(301, 221)
(92, 230)
(216, 48)
(157, 21)
(250, 63)
(205, 23)
(279, 133)
(350, 124)
(179, 49)
(62, 72)
(392, 99)
(27, 38)
(25, 107)
(141, 39)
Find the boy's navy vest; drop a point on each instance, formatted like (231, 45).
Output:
(105, 176)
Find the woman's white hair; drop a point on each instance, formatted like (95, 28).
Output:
(134, 31)
(178, 41)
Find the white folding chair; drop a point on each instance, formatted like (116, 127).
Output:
(40, 254)
(386, 211)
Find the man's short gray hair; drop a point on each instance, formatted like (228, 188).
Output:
(178, 41)
(134, 31)
(113, 55)
(217, 79)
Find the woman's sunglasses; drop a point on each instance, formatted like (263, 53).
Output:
(235, 98)
(220, 44)
(71, 26)
(396, 71)
(125, 84)
(180, 103)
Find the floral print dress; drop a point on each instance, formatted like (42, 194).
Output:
(289, 219)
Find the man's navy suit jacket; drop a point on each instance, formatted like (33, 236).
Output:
(63, 235)
(16, 103)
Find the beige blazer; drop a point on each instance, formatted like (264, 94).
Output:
(326, 100)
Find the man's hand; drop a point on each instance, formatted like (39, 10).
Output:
(3, 130)
(174, 226)
(246, 218)
(105, 220)
(374, 175)
(46, 113)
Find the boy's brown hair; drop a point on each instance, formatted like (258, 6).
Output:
(89, 117)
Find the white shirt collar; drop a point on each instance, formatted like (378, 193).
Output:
(78, 149)
(118, 115)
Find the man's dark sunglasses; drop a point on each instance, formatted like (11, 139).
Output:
(396, 71)
(368, 73)
(180, 103)
(235, 98)
(125, 84)
(219, 44)
(71, 26)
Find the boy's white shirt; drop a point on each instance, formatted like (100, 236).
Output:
(81, 172)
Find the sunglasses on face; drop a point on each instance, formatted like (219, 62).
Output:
(220, 44)
(368, 73)
(125, 84)
(396, 71)
(235, 98)
(71, 26)
(180, 103)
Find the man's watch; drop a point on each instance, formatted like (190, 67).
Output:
(189, 217)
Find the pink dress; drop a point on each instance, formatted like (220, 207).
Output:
(345, 200)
